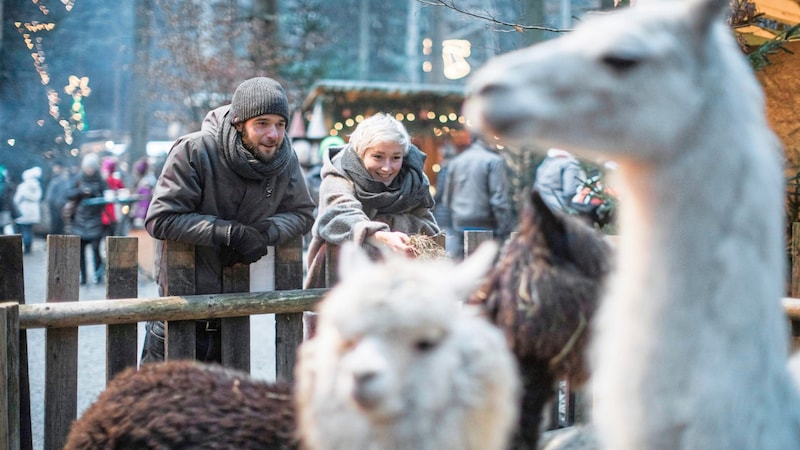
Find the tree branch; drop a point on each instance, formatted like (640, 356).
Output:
(451, 4)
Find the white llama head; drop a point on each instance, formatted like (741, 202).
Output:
(398, 362)
(624, 82)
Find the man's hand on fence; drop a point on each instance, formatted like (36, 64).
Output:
(245, 244)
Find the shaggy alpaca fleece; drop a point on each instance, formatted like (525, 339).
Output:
(187, 404)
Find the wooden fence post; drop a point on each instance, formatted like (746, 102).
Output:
(235, 331)
(795, 281)
(9, 371)
(122, 281)
(12, 288)
(288, 327)
(61, 344)
(474, 238)
(180, 334)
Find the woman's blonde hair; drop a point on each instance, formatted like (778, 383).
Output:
(379, 128)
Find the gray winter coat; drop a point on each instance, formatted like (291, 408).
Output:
(477, 192)
(197, 186)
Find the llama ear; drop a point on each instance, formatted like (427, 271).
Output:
(551, 226)
(703, 13)
(474, 268)
(352, 259)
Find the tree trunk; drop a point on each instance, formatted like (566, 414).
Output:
(139, 105)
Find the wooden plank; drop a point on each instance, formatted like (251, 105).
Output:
(235, 331)
(288, 327)
(12, 288)
(190, 307)
(331, 265)
(122, 281)
(61, 345)
(786, 11)
(9, 391)
(474, 238)
(180, 334)
(795, 281)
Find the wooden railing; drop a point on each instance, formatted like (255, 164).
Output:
(62, 314)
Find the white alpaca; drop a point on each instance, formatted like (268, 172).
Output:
(692, 342)
(398, 363)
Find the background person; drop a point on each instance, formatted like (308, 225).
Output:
(477, 195)
(558, 178)
(56, 196)
(28, 200)
(232, 189)
(87, 222)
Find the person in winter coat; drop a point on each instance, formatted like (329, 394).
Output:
(87, 191)
(28, 199)
(111, 213)
(477, 195)
(56, 196)
(374, 192)
(558, 178)
(232, 189)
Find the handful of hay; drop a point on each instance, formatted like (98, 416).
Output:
(427, 247)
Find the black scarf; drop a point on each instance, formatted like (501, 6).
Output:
(410, 189)
(243, 162)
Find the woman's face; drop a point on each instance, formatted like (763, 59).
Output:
(383, 161)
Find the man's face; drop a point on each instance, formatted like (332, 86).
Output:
(263, 135)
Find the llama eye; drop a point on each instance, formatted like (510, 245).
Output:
(620, 63)
(425, 345)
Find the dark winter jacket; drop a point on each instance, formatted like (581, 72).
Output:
(88, 222)
(477, 191)
(198, 185)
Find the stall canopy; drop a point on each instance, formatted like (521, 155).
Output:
(778, 13)
(424, 109)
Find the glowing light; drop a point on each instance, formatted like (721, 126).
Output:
(427, 66)
(427, 46)
(454, 54)
(338, 126)
(11, 142)
(443, 118)
(452, 116)
(399, 116)
(431, 115)
(410, 117)
(359, 118)
(436, 168)
(349, 122)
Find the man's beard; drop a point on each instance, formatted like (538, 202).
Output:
(252, 147)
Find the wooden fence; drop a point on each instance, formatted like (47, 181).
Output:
(62, 314)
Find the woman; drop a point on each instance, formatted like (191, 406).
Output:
(88, 220)
(374, 192)
(28, 200)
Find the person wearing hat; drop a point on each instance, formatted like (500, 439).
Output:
(232, 189)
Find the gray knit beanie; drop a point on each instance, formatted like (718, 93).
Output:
(258, 96)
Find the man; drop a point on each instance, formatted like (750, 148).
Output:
(477, 195)
(232, 189)
(558, 178)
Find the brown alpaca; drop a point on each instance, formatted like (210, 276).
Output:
(187, 404)
(543, 293)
